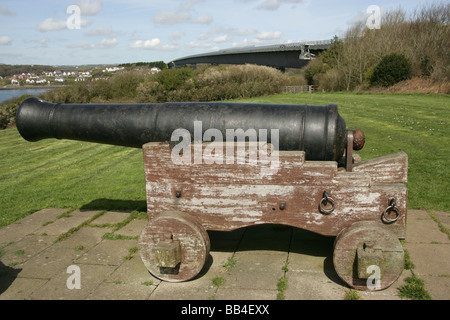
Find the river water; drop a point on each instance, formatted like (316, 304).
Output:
(11, 93)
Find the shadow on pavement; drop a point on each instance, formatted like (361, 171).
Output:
(7, 276)
(116, 205)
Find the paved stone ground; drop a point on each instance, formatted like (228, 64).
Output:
(33, 265)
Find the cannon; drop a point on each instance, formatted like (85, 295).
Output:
(280, 164)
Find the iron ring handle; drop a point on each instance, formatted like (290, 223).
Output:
(326, 200)
(389, 209)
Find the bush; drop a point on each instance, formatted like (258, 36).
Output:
(8, 109)
(172, 79)
(313, 70)
(211, 83)
(391, 69)
(332, 80)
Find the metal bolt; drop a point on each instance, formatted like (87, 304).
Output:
(368, 245)
(282, 205)
(178, 194)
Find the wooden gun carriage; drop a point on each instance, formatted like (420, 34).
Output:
(304, 176)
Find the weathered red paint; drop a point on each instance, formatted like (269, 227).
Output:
(229, 196)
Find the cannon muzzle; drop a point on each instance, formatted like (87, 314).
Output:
(318, 130)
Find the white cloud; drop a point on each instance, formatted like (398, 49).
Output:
(206, 19)
(188, 5)
(145, 44)
(104, 44)
(102, 31)
(152, 44)
(275, 4)
(182, 14)
(50, 24)
(269, 35)
(82, 45)
(262, 38)
(222, 38)
(198, 44)
(5, 40)
(167, 47)
(244, 32)
(271, 5)
(89, 8)
(4, 11)
(171, 17)
(108, 43)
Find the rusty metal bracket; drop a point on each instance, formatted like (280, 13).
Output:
(355, 141)
(349, 152)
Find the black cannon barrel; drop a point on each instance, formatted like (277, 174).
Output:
(318, 130)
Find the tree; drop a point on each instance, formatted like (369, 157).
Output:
(391, 69)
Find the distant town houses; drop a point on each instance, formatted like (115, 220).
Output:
(47, 77)
(66, 76)
(113, 69)
(155, 70)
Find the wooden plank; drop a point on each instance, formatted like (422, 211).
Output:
(391, 168)
(230, 196)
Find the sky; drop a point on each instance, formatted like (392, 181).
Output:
(78, 32)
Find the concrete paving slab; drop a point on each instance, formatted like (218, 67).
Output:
(64, 224)
(24, 249)
(311, 255)
(28, 225)
(83, 239)
(219, 259)
(437, 286)
(132, 229)
(418, 214)
(38, 266)
(48, 263)
(107, 252)
(21, 288)
(309, 285)
(111, 217)
(190, 290)
(255, 271)
(443, 217)
(91, 276)
(133, 271)
(426, 231)
(435, 259)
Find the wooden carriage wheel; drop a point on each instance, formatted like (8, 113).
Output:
(367, 256)
(174, 246)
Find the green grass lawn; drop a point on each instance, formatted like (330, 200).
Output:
(67, 174)
(72, 174)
